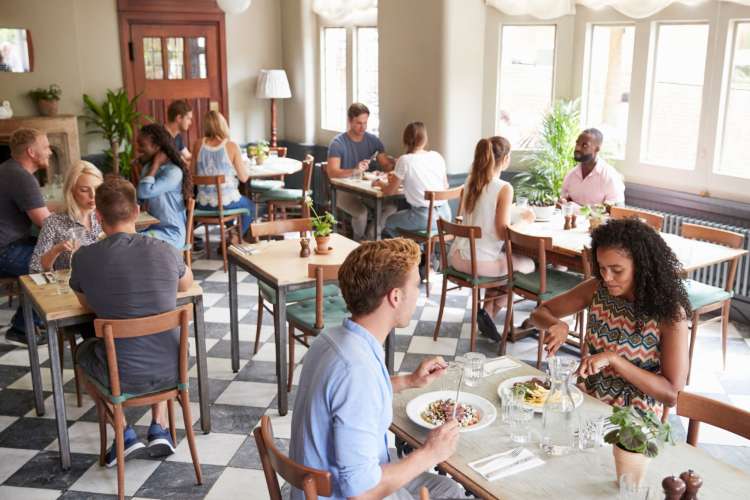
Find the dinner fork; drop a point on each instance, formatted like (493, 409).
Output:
(506, 454)
(458, 391)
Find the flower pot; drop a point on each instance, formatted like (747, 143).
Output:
(543, 213)
(321, 244)
(627, 462)
(259, 159)
(47, 107)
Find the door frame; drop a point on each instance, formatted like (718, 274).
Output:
(171, 12)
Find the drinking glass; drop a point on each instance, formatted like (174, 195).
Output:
(521, 415)
(451, 376)
(75, 236)
(473, 368)
(273, 153)
(506, 402)
(62, 278)
(522, 202)
(631, 488)
(591, 434)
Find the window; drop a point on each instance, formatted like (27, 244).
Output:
(527, 55)
(735, 130)
(197, 54)
(607, 96)
(367, 74)
(334, 98)
(176, 58)
(152, 58)
(675, 95)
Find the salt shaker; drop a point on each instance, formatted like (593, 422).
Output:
(674, 488)
(693, 483)
(573, 220)
(304, 244)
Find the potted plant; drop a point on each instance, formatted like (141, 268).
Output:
(635, 440)
(114, 119)
(259, 151)
(47, 99)
(596, 214)
(322, 228)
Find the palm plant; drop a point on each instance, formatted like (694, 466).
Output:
(542, 180)
(114, 120)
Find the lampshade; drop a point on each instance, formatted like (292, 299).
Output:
(272, 84)
(233, 6)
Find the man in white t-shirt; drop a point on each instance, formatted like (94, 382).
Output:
(593, 181)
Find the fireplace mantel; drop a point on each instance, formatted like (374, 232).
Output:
(61, 130)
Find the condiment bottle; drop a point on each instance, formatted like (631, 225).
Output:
(567, 222)
(674, 488)
(693, 483)
(304, 244)
(573, 221)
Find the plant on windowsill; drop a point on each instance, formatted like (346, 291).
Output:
(635, 440)
(322, 228)
(259, 151)
(47, 99)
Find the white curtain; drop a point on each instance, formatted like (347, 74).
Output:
(343, 12)
(550, 9)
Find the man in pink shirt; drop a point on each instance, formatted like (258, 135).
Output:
(593, 181)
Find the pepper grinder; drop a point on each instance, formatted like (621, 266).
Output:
(304, 244)
(573, 221)
(674, 488)
(693, 483)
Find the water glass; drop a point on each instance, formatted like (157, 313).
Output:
(591, 434)
(75, 236)
(473, 368)
(522, 202)
(62, 278)
(521, 415)
(506, 402)
(631, 488)
(451, 377)
(273, 153)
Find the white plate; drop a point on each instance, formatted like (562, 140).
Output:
(577, 394)
(416, 406)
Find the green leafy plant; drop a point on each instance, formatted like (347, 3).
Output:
(594, 211)
(114, 120)
(322, 224)
(546, 166)
(259, 149)
(637, 431)
(51, 93)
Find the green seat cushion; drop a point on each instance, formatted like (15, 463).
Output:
(215, 213)
(283, 195)
(269, 294)
(701, 294)
(303, 313)
(558, 282)
(467, 277)
(126, 395)
(261, 186)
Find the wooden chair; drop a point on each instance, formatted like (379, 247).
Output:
(448, 231)
(282, 199)
(280, 151)
(717, 413)
(654, 220)
(110, 401)
(9, 288)
(187, 250)
(311, 316)
(428, 237)
(706, 298)
(312, 482)
(542, 284)
(219, 217)
(266, 294)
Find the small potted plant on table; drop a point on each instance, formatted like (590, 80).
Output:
(47, 99)
(259, 151)
(596, 214)
(322, 228)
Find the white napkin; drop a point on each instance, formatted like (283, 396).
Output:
(38, 279)
(506, 465)
(497, 365)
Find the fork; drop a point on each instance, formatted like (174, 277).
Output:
(510, 454)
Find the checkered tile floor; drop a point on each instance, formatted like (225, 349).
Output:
(29, 466)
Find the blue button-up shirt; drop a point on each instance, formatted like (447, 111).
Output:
(165, 202)
(343, 409)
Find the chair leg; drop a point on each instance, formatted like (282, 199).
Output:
(442, 307)
(73, 351)
(119, 418)
(724, 332)
(474, 307)
(223, 235)
(208, 242)
(427, 259)
(258, 323)
(508, 326)
(187, 417)
(101, 413)
(172, 427)
(693, 334)
(291, 359)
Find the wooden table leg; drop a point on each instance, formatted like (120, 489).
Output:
(234, 325)
(199, 326)
(58, 396)
(280, 337)
(36, 370)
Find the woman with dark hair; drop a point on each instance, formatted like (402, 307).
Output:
(166, 182)
(487, 203)
(636, 348)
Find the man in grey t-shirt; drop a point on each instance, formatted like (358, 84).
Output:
(354, 150)
(130, 275)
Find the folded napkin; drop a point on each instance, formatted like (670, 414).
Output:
(38, 279)
(497, 365)
(505, 464)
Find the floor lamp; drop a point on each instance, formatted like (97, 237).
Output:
(273, 84)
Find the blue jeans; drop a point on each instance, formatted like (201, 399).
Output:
(243, 202)
(14, 261)
(414, 219)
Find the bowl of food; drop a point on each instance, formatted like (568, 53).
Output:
(535, 390)
(433, 409)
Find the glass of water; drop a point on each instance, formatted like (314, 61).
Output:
(473, 368)
(631, 488)
(521, 415)
(449, 380)
(522, 202)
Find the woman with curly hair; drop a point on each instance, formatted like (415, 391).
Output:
(636, 346)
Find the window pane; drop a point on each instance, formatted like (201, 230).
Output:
(176, 58)
(334, 79)
(609, 85)
(677, 95)
(197, 54)
(367, 74)
(526, 76)
(152, 58)
(736, 135)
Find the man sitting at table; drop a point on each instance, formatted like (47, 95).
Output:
(344, 402)
(352, 151)
(593, 181)
(130, 275)
(179, 119)
(21, 204)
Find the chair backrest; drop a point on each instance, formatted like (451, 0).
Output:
(312, 482)
(448, 194)
(212, 180)
(321, 273)
(472, 233)
(190, 212)
(280, 150)
(307, 172)
(111, 329)
(717, 413)
(654, 220)
(533, 244)
(279, 227)
(720, 237)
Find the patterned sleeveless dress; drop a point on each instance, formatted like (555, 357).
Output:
(613, 326)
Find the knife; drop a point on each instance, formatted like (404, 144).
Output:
(497, 472)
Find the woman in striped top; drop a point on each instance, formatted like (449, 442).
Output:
(637, 337)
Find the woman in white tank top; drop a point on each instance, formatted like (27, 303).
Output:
(487, 203)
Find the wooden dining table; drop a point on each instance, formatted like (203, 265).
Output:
(59, 308)
(583, 474)
(371, 196)
(279, 265)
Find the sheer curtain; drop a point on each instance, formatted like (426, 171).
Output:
(550, 9)
(343, 12)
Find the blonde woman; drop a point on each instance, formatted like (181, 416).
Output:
(54, 245)
(215, 154)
